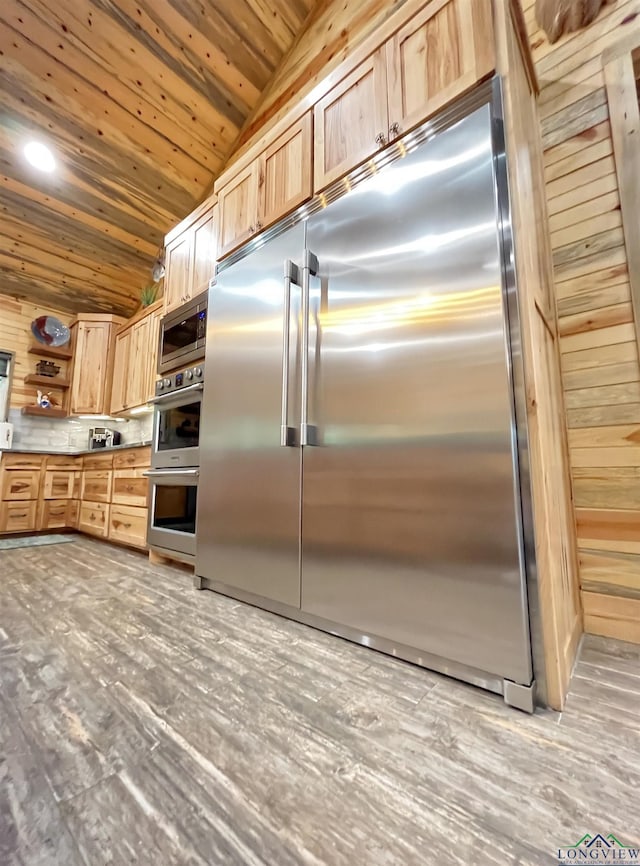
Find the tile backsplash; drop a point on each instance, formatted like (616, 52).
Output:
(61, 435)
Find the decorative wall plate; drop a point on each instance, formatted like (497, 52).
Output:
(50, 331)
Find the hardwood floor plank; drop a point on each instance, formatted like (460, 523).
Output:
(144, 722)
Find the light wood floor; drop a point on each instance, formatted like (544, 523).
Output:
(144, 722)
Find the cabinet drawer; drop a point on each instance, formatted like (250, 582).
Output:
(58, 484)
(20, 484)
(130, 487)
(97, 461)
(93, 518)
(61, 461)
(128, 525)
(57, 513)
(132, 457)
(17, 516)
(21, 461)
(96, 485)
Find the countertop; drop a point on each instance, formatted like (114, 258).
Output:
(81, 453)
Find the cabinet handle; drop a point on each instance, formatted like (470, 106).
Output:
(381, 139)
(394, 130)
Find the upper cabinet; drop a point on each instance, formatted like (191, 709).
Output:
(351, 121)
(190, 256)
(134, 366)
(93, 338)
(434, 58)
(272, 185)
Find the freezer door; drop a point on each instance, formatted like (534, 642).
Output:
(248, 524)
(410, 524)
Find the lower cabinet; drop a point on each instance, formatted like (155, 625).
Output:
(57, 513)
(18, 516)
(102, 494)
(93, 518)
(128, 525)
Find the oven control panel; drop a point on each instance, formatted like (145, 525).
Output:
(179, 380)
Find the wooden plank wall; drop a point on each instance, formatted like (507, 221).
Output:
(599, 353)
(15, 336)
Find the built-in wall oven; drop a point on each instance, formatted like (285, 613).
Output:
(172, 515)
(175, 460)
(176, 420)
(182, 335)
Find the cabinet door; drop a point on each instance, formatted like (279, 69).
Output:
(138, 370)
(120, 372)
(128, 525)
(93, 518)
(152, 354)
(204, 253)
(132, 457)
(351, 121)
(177, 268)
(17, 516)
(130, 487)
(90, 368)
(96, 485)
(284, 172)
(438, 55)
(53, 514)
(238, 209)
(58, 484)
(20, 484)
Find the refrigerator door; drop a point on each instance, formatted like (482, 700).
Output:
(410, 519)
(249, 497)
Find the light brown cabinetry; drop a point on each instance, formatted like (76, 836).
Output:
(190, 256)
(128, 525)
(18, 516)
(93, 518)
(93, 339)
(135, 358)
(272, 185)
(130, 487)
(121, 353)
(351, 121)
(434, 58)
(57, 514)
(96, 485)
(20, 484)
(59, 484)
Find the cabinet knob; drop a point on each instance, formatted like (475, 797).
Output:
(394, 130)
(252, 229)
(258, 226)
(381, 139)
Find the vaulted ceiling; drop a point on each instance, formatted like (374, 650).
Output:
(140, 101)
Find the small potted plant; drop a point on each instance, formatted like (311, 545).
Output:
(149, 294)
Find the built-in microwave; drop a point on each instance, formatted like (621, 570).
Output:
(182, 335)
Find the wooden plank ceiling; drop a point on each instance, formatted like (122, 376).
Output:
(141, 101)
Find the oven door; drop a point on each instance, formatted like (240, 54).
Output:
(172, 512)
(182, 336)
(176, 428)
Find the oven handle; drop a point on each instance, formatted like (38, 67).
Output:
(173, 394)
(170, 473)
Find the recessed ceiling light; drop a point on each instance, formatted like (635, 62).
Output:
(39, 156)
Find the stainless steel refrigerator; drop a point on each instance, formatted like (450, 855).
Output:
(361, 464)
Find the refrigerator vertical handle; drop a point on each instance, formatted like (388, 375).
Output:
(291, 275)
(310, 267)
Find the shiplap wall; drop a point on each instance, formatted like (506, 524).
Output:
(15, 336)
(599, 354)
